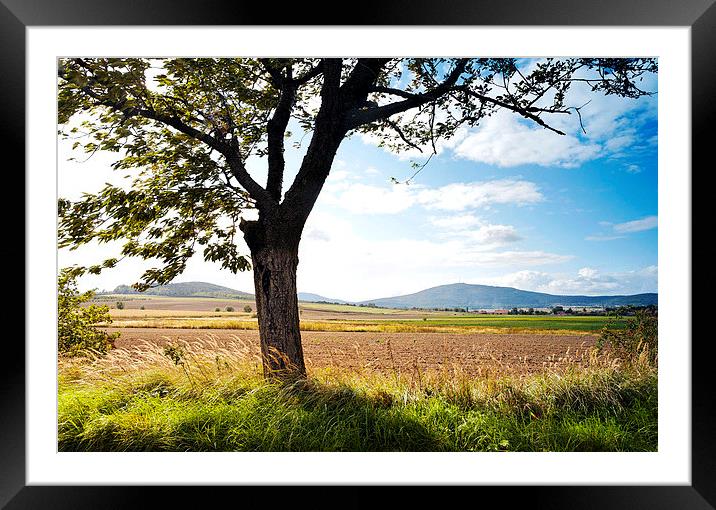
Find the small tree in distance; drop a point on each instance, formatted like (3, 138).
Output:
(187, 127)
(248, 309)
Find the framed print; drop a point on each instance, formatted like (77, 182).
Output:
(602, 194)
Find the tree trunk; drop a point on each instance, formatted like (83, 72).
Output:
(274, 266)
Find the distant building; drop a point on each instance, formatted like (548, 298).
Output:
(500, 312)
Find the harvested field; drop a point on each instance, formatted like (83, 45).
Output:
(469, 353)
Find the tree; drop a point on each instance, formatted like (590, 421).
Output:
(188, 126)
(77, 331)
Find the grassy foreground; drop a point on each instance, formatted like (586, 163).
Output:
(218, 401)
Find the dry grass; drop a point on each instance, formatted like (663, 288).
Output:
(212, 397)
(209, 356)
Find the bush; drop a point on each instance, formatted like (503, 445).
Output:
(229, 308)
(217, 309)
(120, 305)
(639, 336)
(248, 309)
(76, 330)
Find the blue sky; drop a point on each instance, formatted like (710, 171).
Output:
(504, 203)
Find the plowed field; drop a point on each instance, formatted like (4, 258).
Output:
(471, 354)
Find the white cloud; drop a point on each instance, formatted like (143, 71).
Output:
(471, 228)
(461, 196)
(355, 267)
(361, 198)
(367, 199)
(514, 258)
(587, 281)
(606, 126)
(620, 229)
(523, 280)
(504, 140)
(490, 235)
(338, 175)
(587, 272)
(646, 223)
(618, 142)
(457, 222)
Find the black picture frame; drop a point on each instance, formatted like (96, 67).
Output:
(699, 15)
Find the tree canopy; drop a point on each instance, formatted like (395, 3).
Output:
(188, 126)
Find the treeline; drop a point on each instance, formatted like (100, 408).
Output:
(632, 310)
(628, 310)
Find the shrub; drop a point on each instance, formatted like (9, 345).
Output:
(217, 309)
(248, 309)
(77, 333)
(229, 308)
(141, 307)
(120, 305)
(639, 336)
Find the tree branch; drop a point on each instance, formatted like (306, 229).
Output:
(395, 92)
(525, 112)
(363, 77)
(358, 118)
(232, 155)
(396, 127)
(310, 74)
(276, 130)
(327, 136)
(277, 79)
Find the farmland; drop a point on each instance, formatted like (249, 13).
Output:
(357, 338)
(202, 313)
(378, 379)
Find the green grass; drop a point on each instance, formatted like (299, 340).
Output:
(496, 324)
(576, 323)
(218, 403)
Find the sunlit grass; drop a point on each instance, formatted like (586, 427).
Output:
(216, 399)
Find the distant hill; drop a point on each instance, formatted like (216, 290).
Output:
(203, 289)
(457, 295)
(187, 289)
(463, 295)
(316, 298)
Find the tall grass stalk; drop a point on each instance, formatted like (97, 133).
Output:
(217, 400)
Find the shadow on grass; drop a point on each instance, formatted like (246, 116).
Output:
(305, 416)
(312, 416)
(309, 416)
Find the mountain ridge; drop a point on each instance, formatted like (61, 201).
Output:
(186, 289)
(454, 295)
(465, 295)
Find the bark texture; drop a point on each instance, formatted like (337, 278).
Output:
(274, 253)
(277, 309)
